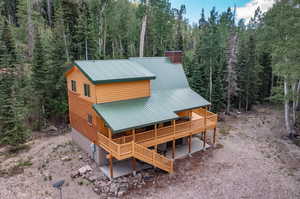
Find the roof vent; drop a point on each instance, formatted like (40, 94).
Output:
(174, 56)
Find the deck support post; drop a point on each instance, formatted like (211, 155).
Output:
(204, 140)
(111, 167)
(214, 137)
(205, 116)
(133, 164)
(204, 133)
(155, 131)
(110, 156)
(190, 142)
(173, 148)
(190, 137)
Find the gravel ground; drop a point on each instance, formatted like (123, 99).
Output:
(250, 161)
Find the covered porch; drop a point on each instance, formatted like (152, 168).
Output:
(142, 143)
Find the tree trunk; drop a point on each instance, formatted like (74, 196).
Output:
(247, 92)
(296, 89)
(210, 80)
(104, 37)
(49, 12)
(143, 30)
(66, 45)
(231, 78)
(86, 49)
(30, 28)
(287, 108)
(297, 95)
(272, 84)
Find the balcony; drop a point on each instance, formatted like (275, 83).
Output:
(181, 129)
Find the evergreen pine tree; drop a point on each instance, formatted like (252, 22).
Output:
(12, 116)
(39, 79)
(58, 105)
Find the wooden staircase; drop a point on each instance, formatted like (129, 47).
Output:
(152, 157)
(132, 149)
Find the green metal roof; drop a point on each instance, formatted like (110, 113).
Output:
(161, 106)
(106, 71)
(170, 94)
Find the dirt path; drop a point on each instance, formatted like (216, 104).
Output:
(252, 161)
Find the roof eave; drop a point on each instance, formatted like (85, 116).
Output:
(123, 80)
(143, 125)
(113, 80)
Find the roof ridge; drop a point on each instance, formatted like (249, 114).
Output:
(93, 60)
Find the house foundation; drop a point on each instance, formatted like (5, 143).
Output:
(95, 152)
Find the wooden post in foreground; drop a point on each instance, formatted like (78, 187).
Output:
(190, 142)
(155, 131)
(204, 134)
(190, 137)
(111, 167)
(214, 138)
(110, 157)
(133, 164)
(173, 148)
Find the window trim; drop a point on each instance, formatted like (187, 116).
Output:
(86, 90)
(73, 85)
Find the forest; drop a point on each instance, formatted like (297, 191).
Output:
(234, 64)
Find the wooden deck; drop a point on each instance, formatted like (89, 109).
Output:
(136, 145)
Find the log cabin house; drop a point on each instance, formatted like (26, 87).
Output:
(130, 108)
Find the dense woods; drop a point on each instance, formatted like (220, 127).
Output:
(233, 64)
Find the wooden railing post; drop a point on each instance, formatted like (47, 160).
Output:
(133, 134)
(190, 116)
(155, 131)
(174, 130)
(205, 116)
(153, 158)
(190, 137)
(133, 147)
(110, 138)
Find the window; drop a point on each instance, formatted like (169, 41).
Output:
(73, 85)
(90, 119)
(87, 92)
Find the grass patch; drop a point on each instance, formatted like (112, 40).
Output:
(297, 142)
(18, 148)
(26, 163)
(224, 130)
(219, 146)
(16, 169)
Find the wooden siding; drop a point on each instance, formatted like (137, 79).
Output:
(79, 109)
(80, 79)
(122, 91)
(184, 113)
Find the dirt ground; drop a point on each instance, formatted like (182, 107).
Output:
(252, 160)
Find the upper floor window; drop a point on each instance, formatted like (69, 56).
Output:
(90, 119)
(87, 91)
(73, 85)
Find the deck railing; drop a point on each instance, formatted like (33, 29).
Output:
(151, 157)
(132, 149)
(182, 129)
